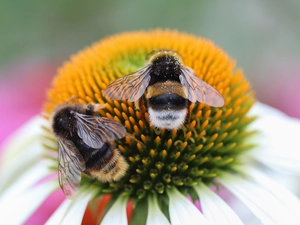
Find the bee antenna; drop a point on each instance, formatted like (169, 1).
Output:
(149, 54)
(71, 99)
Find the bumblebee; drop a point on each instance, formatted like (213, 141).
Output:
(86, 144)
(169, 88)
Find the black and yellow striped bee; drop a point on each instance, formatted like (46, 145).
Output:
(169, 88)
(86, 144)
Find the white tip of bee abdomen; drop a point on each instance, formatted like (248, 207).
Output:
(167, 119)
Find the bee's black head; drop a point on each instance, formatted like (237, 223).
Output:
(64, 122)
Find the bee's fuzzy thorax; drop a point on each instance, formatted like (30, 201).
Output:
(165, 66)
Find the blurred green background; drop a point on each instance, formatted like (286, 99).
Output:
(262, 36)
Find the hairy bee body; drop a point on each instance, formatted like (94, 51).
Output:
(63, 120)
(106, 164)
(169, 88)
(165, 66)
(86, 144)
(167, 104)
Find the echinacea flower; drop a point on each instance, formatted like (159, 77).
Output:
(170, 172)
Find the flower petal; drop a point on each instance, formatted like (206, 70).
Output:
(287, 199)
(214, 208)
(155, 215)
(76, 210)
(23, 149)
(25, 180)
(182, 211)
(117, 213)
(59, 213)
(23, 205)
(71, 211)
(264, 204)
(277, 131)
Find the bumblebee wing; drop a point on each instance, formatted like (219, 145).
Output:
(96, 130)
(70, 166)
(130, 87)
(197, 90)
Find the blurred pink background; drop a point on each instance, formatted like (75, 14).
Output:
(22, 93)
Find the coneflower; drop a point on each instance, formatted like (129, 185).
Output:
(232, 147)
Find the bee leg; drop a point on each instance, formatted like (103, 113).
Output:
(132, 137)
(91, 109)
(98, 106)
(143, 110)
(188, 114)
(138, 104)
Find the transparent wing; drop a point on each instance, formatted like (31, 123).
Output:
(130, 87)
(198, 90)
(70, 166)
(95, 130)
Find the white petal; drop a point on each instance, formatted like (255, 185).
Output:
(155, 215)
(26, 180)
(266, 206)
(71, 211)
(266, 111)
(24, 204)
(59, 213)
(288, 163)
(76, 210)
(214, 208)
(117, 213)
(21, 151)
(287, 199)
(182, 211)
(278, 144)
